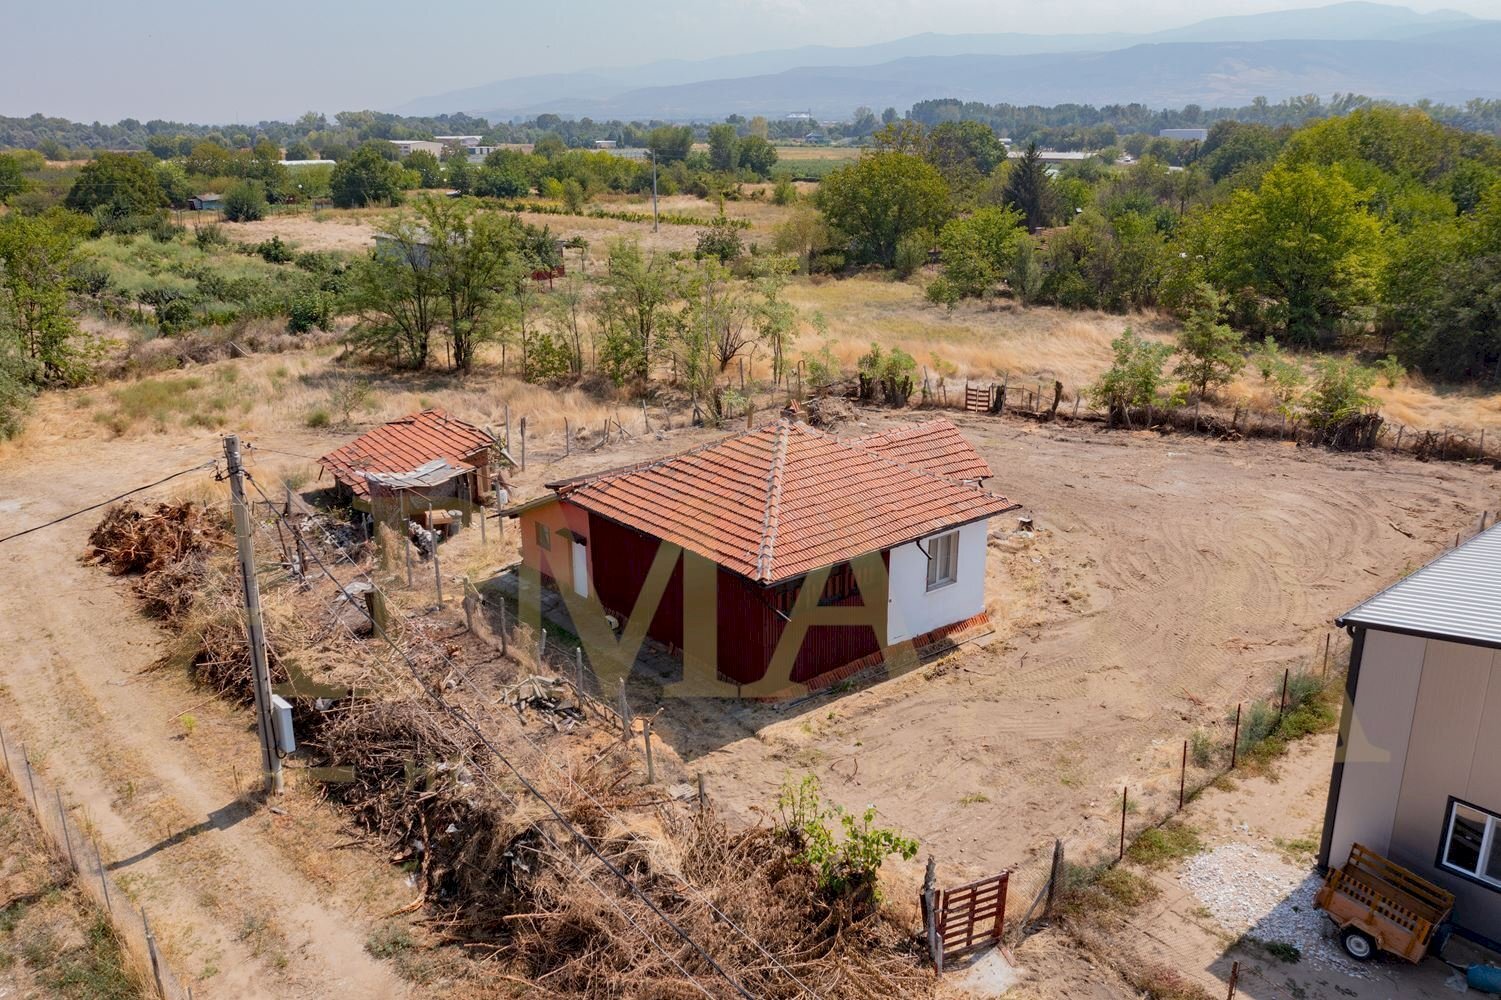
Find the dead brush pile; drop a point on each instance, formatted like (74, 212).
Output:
(183, 558)
(499, 871)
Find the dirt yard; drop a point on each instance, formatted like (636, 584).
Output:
(1169, 578)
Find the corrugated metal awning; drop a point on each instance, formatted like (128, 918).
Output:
(1456, 596)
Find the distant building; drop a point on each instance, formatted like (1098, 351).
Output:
(605, 143)
(209, 201)
(407, 147)
(306, 163)
(428, 456)
(1052, 155)
(458, 140)
(1184, 134)
(798, 116)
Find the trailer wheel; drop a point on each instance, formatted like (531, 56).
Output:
(1357, 944)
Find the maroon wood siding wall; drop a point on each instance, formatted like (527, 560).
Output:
(749, 627)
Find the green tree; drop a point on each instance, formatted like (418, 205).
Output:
(964, 152)
(397, 295)
(977, 249)
(245, 201)
(804, 233)
(721, 241)
(123, 184)
(1029, 189)
(549, 146)
(12, 180)
(1304, 242)
(426, 166)
(757, 155)
(670, 143)
(506, 174)
(473, 259)
(638, 291)
(365, 178)
(460, 174)
(724, 148)
(1134, 378)
(880, 198)
(38, 254)
(1209, 351)
(1339, 391)
(209, 159)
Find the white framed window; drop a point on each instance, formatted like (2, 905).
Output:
(943, 560)
(1472, 843)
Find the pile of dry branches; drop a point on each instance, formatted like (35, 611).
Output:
(133, 540)
(498, 869)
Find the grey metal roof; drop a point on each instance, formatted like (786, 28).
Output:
(433, 473)
(1456, 596)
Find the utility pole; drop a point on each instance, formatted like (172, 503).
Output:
(654, 190)
(260, 670)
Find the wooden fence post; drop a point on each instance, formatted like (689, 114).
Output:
(1125, 795)
(1235, 740)
(1327, 637)
(1234, 980)
(651, 767)
(103, 879)
(156, 965)
(1183, 776)
(1053, 877)
(930, 914)
(523, 444)
(625, 712)
(1282, 702)
(30, 779)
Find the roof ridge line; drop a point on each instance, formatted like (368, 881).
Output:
(590, 478)
(771, 516)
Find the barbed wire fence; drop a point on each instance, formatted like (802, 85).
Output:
(75, 845)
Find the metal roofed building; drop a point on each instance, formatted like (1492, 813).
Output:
(758, 515)
(1417, 771)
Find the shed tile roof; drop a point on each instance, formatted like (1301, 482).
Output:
(1456, 596)
(405, 445)
(778, 501)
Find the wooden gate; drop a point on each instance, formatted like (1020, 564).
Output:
(977, 398)
(965, 919)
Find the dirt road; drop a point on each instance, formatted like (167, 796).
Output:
(247, 903)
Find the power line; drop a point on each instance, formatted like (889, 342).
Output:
(509, 798)
(105, 503)
(461, 717)
(563, 772)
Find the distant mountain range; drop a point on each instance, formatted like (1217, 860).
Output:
(1368, 48)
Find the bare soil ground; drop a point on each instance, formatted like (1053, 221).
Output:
(245, 902)
(1169, 579)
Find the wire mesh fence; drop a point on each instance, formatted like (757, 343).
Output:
(75, 845)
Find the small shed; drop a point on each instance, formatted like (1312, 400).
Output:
(209, 201)
(425, 457)
(1417, 770)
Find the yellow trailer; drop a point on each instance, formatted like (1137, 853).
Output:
(1379, 905)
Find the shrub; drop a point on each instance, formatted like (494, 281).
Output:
(245, 201)
(307, 310)
(721, 240)
(274, 251)
(1202, 748)
(1160, 846)
(1338, 392)
(911, 254)
(209, 235)
(784, 193)
(349, 395)
(1135, 378)
(317, 418)
(846, 865)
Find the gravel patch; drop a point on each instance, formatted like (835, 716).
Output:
(1253, 892)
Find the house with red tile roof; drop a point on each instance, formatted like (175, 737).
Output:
(427, 456)
(795, 556)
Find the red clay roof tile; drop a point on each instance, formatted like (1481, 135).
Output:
(404, 445)
(775, 502)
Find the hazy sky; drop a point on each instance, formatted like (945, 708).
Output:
(175, 59)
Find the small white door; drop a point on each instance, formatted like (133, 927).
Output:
(580, 568)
